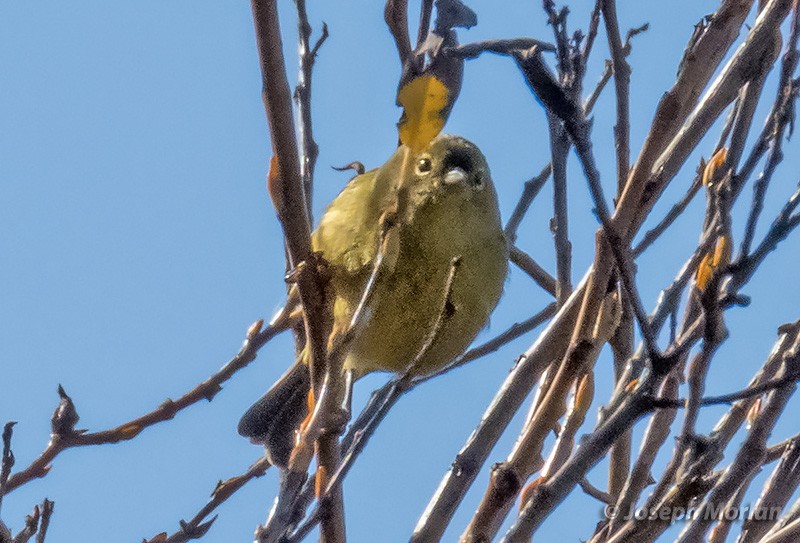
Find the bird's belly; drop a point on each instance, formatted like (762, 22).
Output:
(414, 323)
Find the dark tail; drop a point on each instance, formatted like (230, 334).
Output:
(273, 419)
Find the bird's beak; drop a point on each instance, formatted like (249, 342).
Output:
(455, 176)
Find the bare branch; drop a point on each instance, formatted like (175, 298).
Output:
(256, 338)
(332, 485)
(704, 54)
(396, 16)
(550, 345)
(596, 493)
(622, 349)
(559, 147)
(44, 521)
(505, 46)
(785, 116)
(529, 193)
(750, 454)
(653, 234)
(591, 34)
(383, 399)
(31, 526)
(425, 11)
(622, 81)
(513, 332)
(302, 96)
(656, 434)
(711, 451)
(198, 526)
(528, 265)
(286, 184)
(7, 461)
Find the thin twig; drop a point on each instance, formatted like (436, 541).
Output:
(594, 492)
(302, 95)
(7, 460)
(286, 189)
(529, 192)
(622, 344)
(511, 333)
(527, 264)
(396, 16)
(256, 338)
(333, 484)
(534, 185)
(748, 458)
(605, 77)
(547, 495)
(293, 496)
(559, 147)
(396, 388)
(425, 11)
(777, 491)
(654, 233)
(786, 91)
(44, 521)
(31, 526)
(497, 501)
(591, 34)
(578, 127)
(782, 226)
(622, 81)
(501, 47)
(551, 345)
(655, 436)
(713, 445)
(384, 398)
(731, 397)
(197, 526)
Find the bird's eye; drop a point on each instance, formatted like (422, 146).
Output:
(424, 165)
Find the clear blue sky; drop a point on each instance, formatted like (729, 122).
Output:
(138, 244)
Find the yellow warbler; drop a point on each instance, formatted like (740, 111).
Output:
(450, 213)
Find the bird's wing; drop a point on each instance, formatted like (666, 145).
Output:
(349, 231)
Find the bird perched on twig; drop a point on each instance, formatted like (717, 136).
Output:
(419, 315)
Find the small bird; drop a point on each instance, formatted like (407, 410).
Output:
(451, 216)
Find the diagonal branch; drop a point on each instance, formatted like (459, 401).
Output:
(197, 526)
(65, 436)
